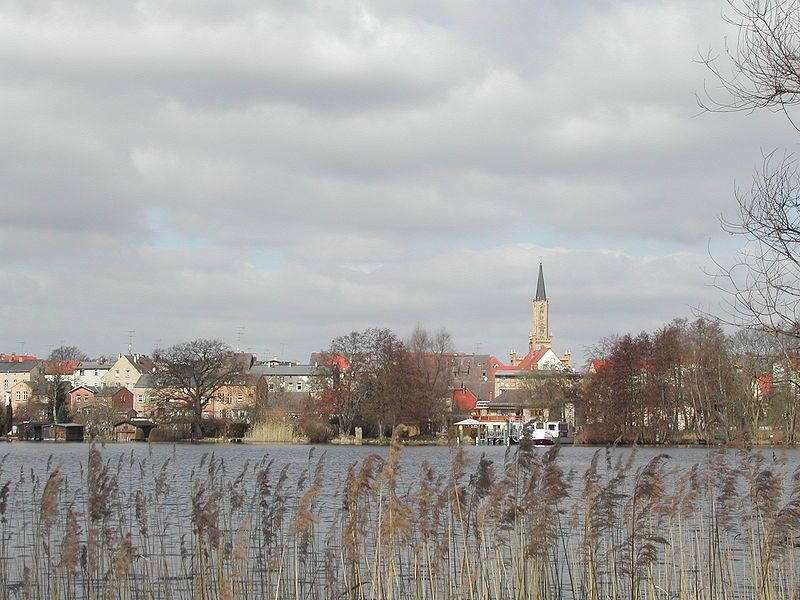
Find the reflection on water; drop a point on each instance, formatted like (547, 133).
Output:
(184, 521)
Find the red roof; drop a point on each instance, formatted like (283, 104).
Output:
(64, 367)
(464, 399)
(527, 362)
(17, 357)
(340, 362)
(597, 364)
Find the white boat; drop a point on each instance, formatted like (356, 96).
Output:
(549, 433)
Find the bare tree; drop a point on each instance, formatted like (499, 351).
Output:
(432, 356)
(762, 285)
(359, 384)
(99, 419)
(375, 378)
(189, 375)
(67, 353)
(762, 68)
(708, 379)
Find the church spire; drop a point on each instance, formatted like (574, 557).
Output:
(541, 294)
(540, 334)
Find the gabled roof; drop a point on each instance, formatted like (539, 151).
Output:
(144, 381)
(88, 388)
(25, 366)
(144, 364)
(464, 399)
(527, 362)
(108, 392)
(94, 365)
(62, 367)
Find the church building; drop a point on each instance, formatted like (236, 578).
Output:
(540, 339)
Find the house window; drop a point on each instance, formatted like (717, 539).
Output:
(271, 387)
(140, 398)
(239, 398)
(299, 386)
(117, 372)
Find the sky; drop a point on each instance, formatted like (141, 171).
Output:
(275, 174)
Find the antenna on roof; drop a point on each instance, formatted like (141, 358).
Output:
(131, 332)
(239, 332)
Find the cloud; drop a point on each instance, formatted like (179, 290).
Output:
(307, 168)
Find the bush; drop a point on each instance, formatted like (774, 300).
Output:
(596, 433)
(213, 427)
(171, 432)
(316, 431)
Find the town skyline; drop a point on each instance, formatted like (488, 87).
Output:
(191, 169)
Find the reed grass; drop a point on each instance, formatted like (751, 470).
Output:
(520, 527)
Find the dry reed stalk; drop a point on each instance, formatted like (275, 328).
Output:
(360, 487)
(644, 521)
(303, 529)
(464, 533)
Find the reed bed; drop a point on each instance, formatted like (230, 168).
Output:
(521, 527)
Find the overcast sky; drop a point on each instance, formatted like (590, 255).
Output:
(278, 173)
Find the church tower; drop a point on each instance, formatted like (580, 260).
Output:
(540, 335)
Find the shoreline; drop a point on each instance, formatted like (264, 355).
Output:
(405, 442)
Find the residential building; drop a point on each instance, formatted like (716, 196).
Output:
(144, 397)
(234, 400)
(91, 373)
(63, 369)
(289, 386)
(473, 380)
(85, 396)
(127, 370)
(30, 400)
(13, 372)
(519, 374)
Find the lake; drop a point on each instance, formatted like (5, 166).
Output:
(241, 521)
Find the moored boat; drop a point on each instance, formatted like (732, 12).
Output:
(549, 433)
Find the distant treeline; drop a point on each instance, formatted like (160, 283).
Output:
(692, 380)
